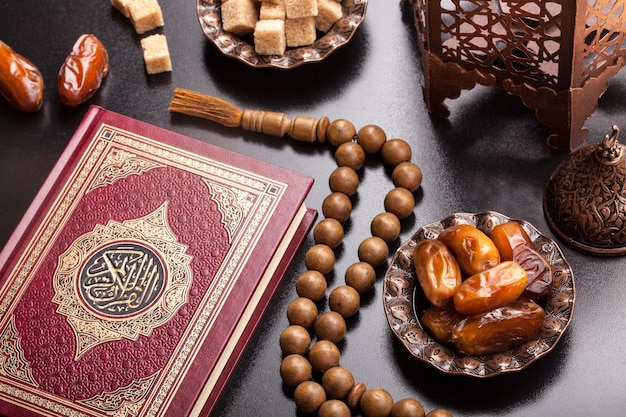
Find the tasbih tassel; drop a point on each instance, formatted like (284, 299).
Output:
(195, 104)
(301, 128)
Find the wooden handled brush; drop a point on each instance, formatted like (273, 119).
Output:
(301, 128)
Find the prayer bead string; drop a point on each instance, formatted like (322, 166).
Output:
(335, 392)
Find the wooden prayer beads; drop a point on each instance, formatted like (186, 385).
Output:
(337, 382)
(334, 408)
(371, 138)
(407, 407)
(302, 311)
(329, 232)
(376, 402)
(407, 175)
(344, 180)
(361, 276)
(355, 394)
(373, 250)
(395, 151)
(312, 285)
(340, 131)
(351, 155)
(386, 226)
(352, 148)
(320, 258)
(330, 325)
(295, 369)
(337, 206)
(341, 394)
(345, 300)
(324, 355)
(309, 396)
(400, 202)
(295, 339)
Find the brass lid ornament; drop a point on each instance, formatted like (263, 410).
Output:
(585, 200)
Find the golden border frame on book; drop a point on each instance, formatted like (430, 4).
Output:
(403, 304)
(231, 45)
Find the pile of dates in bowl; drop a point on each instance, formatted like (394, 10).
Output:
(479, 294)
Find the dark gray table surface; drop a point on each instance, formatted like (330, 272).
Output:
(490, 155)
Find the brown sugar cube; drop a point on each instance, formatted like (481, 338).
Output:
(239, 16)
(270, 10)
(300, 32)
(122, 6)
(329, 12)
(156, 54)
(295, 9)
(269, 37)
(145, 15)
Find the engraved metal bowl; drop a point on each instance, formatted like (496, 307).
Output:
(231, 45)
(585, 199)
(404, 303)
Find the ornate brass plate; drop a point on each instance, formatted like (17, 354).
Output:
(404, 303)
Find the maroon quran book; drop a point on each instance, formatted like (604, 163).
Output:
(140, 271)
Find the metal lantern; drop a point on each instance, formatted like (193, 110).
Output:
(556, 55)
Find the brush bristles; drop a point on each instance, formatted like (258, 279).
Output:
(196, 104)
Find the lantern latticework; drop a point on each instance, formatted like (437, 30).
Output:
(557, 56)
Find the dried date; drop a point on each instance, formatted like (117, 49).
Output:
(490, 289)
(473, 249)
(514, 244)
(437, 271)
(82, 72)
(539, 271)
(508, 238)
(21, 83)
(500, 329)
(439, 322)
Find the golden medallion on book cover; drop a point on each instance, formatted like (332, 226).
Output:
(122, 280)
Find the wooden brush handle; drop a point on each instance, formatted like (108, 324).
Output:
(302, 128)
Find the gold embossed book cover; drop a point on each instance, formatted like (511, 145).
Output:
(140, 271)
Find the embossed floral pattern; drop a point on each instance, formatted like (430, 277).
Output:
(585, 201)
